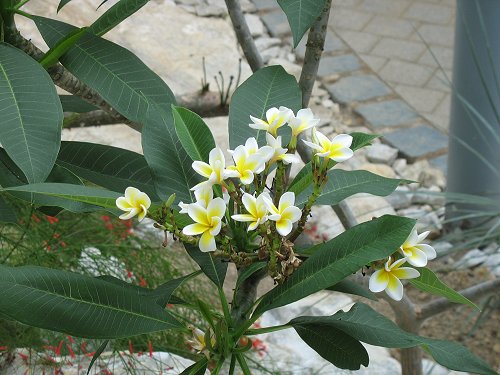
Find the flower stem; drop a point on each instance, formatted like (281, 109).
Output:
(259, 331)
(243, 364)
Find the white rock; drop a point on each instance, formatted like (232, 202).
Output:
(442, 247)
(268, 54)
(432, 196)
(401, 198)
(399, 166)
(381, 153)
(255, 25)
(210, 11)
(93, 262)
(366, 206)
(189, 2)
(290, 67)
(266, 42)
(413, 212)
(472, 258)
(379, 169)
(492, 248)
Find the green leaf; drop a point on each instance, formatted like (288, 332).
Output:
(119, 76)
(61, 4)
(343, 184)
(351, 287)
(71, 103)
(7, 212)
(197, 368)
(77, 305)
(249, 271)
(31, 113)
(338, 258)
(430, 283)
(194, 134)
(360, 140)
(335, 346)
(214, 269)
(301, 15)
(116, 14)
(110, 167)
(269, 87)
(78, 193)
(367, 325)
(97, 354)
(52, 56)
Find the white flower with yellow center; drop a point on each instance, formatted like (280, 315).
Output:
(417, 253)
(135, 202)
(275, 118)
(337, 149)
(214, 170)
(257, 211)
(388, 278)
(208, 222)
(203, 197)
(285, 214)
(248, 161)
(198, 342)
(279, 153)
(303, 121)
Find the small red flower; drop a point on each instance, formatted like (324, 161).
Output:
(150, 346)
(143, 282)
(105, 218)
(129, 274)
(52, 219)
(35, 218)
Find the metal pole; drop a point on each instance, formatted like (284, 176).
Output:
(474, 143)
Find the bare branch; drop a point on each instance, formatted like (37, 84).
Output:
(243, 35)
(473, 293)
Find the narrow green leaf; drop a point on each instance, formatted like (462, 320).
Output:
(71, 103)
(97, 354)
(430, 283)
(338, 258)
(52, 56)
(116, 14)
(301, 15)
(269, 87)
(31, 113)
(194, 134)
(351, 287)
(335, 346)
(197, 368)
(78, 193)
(163, 293)
(7, 212)
(366, 325)
(78, 305)
(61, 4)
(249, 271)
(110, 167)
(214, 269)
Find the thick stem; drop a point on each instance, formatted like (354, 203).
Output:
(243, 35)
(245, 296)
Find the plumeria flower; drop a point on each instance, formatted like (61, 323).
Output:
(337, 149)
(208, 222)
(256, 208)
(135, 202)
(248, 161)
(388, 278)
(279, 153)
(203, 196)
(198, 343)
(214, 170)
(285, 214)
(303, 121)
(416, 252)
(275, 117)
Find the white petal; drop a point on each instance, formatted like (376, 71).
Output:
(313, 145)
(247, 177)
(243, 217)
(142, 213)
(412, 238)
(130, 193)
(394, 288)
(250, 203)
(284, 227)
(292, 213)
(344, 139)
(251, 145)
(404, 273)
(323, 140)
(202, 168)
(422, 236)
(428, 250)
(266, 152)
(184, 207)
(129, 215)
(216, 208)
(305, 114)
(289, 158)
(253, 225)
(198, 214)
(216, 154)
(207, 242)
(271, 113)
(194, 229)
(417, 258)
(216, 226)
(345, 153)
(122, 204)
(286, 200)
(378, 281)
(259, 126)
(270, 205)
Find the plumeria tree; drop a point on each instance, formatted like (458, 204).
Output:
(244, 209)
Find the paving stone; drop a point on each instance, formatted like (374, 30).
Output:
(437, 34)
(441, 163)
(380, 153)
(331, 65)
(387, 113)
(265, 4)
(399, 49)
(429, 13)
(440, 81)
(422, 99)
(345, 3)
(358, 88)
(332, 44)
(276, 23)
(254, 24)
(443, 55)
(374, 62)
(402, 72)
(349, 19)
(387, 26)
(417, 142)
(360, 41)
(385, 7)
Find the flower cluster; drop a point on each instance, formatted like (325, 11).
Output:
(413, 252)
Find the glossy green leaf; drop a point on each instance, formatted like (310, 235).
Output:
(334, 345)
(360, 140)
(110, 167)
(269, 87)
(97, 354)
(78, 305)
(71, 103)
(301, 15)
(116, 14)
(351, 287)
(194, 134)
(338, 258)
(78, 193)
(366, 325)
(214, 269)
(430, 283)
(343, 184)
(119, 76)
(7, 212)
(31, 114)
(61, 4)
(249, 271)
(52, 56)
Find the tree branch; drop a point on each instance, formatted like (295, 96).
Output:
(243, 35)
(442, 304)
